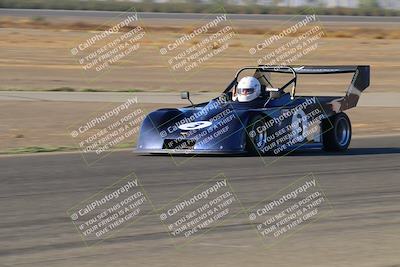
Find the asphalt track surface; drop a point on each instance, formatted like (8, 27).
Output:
(362, 185)
(187, 16)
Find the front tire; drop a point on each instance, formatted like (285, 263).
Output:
(336, 132)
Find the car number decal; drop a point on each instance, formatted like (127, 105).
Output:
(299, 126)
(194, 125)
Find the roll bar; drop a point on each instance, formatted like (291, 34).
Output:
(280, 69)
(360, 81)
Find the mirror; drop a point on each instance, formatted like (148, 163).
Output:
(185, 95)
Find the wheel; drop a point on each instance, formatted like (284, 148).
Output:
(256, 139)
(336, 132)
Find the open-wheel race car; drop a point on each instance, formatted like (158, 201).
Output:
(255, 115)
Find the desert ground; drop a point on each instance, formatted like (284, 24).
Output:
(35, 55)
(38, 190)
(43, 125)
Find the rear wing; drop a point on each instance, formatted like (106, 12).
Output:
(360, 81)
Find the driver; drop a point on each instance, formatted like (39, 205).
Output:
(248, 89)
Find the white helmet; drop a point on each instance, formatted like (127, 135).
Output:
(248, 89)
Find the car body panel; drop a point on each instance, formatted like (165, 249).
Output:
(222, 125)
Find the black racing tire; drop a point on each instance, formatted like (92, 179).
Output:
(256, 141)
(336, 132)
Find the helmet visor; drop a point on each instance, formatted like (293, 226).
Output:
(245, 91)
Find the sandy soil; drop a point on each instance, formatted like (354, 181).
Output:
(39, 58)
(46, 124)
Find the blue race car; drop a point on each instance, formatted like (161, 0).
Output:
(254, 116)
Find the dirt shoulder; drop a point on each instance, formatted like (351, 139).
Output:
(46, 124)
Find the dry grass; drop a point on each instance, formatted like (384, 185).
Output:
(348, 32)
(40, 59)
(35, 54)
(45, 128)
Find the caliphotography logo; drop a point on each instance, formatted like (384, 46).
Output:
(199, 133)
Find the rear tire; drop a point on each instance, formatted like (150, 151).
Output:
(336, 132)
